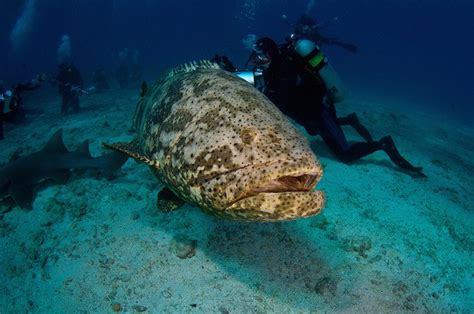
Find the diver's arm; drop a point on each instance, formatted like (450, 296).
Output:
(349, 47)
(336, 42)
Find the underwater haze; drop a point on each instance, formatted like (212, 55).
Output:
(416, 50)
(384, 242)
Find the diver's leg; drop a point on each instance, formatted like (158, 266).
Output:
(64, 104)
(353, 121)
(345, 152)
(347, 46)
(332, 134)
(20, 114)
(387, 144)
(334, 137)
(362, 149)
(75, 103)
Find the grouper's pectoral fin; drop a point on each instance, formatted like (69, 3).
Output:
(131, 150)
(168, 201)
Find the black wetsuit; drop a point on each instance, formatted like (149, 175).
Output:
(100, 80)
(302, 96)
(70, 83)
(123, 75)
(15, 113)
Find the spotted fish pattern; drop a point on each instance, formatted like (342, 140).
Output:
(220, 144)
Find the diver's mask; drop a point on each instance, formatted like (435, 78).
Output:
(259, 58)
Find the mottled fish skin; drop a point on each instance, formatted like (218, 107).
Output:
(220, 144)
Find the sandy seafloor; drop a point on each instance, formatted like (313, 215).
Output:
(385, 242)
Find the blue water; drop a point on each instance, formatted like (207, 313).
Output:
(419, 50)
(384, 242)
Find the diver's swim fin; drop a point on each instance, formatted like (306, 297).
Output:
(388, 146)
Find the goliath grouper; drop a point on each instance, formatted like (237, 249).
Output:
(217, 142)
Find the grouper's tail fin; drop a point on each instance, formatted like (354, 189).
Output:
(131, 150)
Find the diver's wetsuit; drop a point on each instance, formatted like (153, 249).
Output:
(15, 113)
(69, 80)
(302, 96)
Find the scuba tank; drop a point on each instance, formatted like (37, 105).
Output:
(317, 63)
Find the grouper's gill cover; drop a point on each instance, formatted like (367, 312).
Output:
(219, 143)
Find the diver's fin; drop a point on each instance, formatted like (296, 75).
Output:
(168, 201)
(388, 145)
(55, 143)
(22, 195)
(131, 150)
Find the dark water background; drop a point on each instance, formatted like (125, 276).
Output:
(417, 52)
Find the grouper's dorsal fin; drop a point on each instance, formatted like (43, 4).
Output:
(131, 150)
(56, 143)
(193, 66)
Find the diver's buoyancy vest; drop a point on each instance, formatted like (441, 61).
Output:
(317, 63)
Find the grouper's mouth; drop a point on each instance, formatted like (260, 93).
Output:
(274, 191)
(299, 183)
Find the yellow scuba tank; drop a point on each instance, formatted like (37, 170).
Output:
(318, 64)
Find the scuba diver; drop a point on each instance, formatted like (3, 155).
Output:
(99, 78)
(122, 74)
(11, 101)
(306, 27)
(299, 81)
(70, 86)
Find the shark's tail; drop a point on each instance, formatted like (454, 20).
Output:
(111, 162)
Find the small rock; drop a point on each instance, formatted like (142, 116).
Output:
(326, 286)
(183, 247)
(139, 308)
(167, 294)
(400, 288)
(125, 277)
(223, 310)
(116, 307)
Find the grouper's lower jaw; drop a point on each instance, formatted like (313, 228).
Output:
(280, 206)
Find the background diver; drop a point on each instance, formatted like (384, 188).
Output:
(70, 86)
(11, 101)
(306, 27)
(297, 78)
